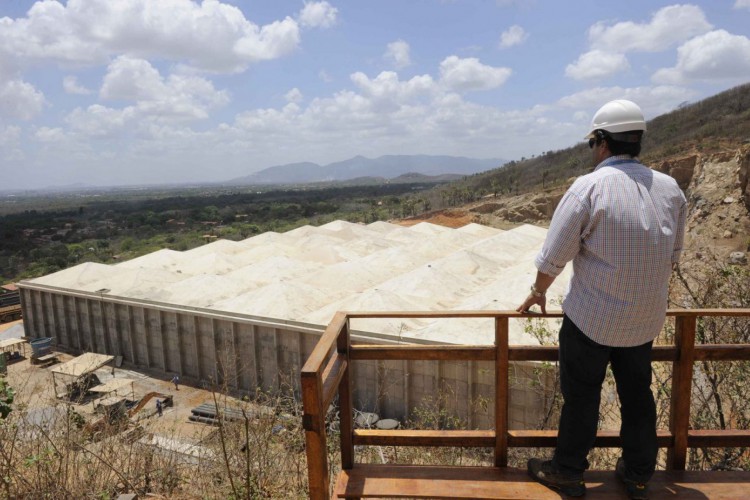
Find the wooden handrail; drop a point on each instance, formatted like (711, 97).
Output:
(327, 373)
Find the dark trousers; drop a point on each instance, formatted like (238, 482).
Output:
(583, 364)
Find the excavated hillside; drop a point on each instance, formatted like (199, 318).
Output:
(715, 184)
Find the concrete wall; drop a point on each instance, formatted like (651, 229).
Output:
(243, 353)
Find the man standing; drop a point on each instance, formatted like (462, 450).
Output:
(622, 225)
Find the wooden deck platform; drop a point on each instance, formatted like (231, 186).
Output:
(403, 481)
(327, 375)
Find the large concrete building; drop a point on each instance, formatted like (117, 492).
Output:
(247, 314)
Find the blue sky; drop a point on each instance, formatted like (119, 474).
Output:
(112, 92)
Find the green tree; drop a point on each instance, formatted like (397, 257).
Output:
(6, 398)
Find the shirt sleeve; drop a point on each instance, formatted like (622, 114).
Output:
(680, 235)
(563, 240)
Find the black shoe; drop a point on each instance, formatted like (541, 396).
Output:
(635, 489)
(547, 474)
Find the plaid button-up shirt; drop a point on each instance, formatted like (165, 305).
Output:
(622, 226)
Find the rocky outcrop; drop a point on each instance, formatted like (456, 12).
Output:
(719, 215)
(681, 169)
(486, 208)
(743, 174)
(529, 209)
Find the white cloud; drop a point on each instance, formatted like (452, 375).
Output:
(154, 101)
(294, 95)
(71, 86)
(130, 78)
(99, 121)
(178, 97)
(653, 101)
(668, 26)
(597, 64)
(581, 116)
(742, 4)
(387, 92)
(323, 75)
(398, 54)
(208, 35)
(514, 35)
(717, 55)
(50, 135)
(446, 124)
(10, 136)
(10, 145)
(469, 74)
(19, 99)
(318, 15)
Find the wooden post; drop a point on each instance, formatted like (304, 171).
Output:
(345, 401)
(682, 378)
(501, 391)
(313, 420)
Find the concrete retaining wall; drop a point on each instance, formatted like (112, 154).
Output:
(243, 353)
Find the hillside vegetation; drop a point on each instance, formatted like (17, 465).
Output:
(706, 126)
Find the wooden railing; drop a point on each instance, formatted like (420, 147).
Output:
(326, 374)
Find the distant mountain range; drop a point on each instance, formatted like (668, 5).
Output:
(387, 167)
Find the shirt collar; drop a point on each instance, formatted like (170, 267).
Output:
(617, 160)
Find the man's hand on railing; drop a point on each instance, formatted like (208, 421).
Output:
(538, 294)
(531, 301)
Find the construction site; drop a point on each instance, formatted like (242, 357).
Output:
(246, 315)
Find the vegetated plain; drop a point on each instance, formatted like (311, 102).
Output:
(41, 233)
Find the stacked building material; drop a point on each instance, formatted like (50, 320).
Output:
(209, 413)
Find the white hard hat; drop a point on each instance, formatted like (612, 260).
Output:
(618, 116)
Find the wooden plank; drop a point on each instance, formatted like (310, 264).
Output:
(516, 438)
(373, 481)
(406, 481)
(464, 439)
(502, 392)
(548, 438)
(314, 363)
(313, 420)
(722, 352)
(452, 314)
(687, 313)
(718, 438)
(549, 353)
(423, 352)
(346, 425)
(697, 313)
(664, 353)
(331, 378)
(485, 353)
(682, 379)
(532, 353)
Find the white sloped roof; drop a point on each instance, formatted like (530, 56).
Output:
(374, 299)
(479, 230)
(428, 228)
(77, 277)
(83, 364)
(273, 269)
(285, 300)
(311, 272)
(202, 290)
(164, 259)
(138, 282)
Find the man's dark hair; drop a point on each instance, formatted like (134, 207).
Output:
(631, 145)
